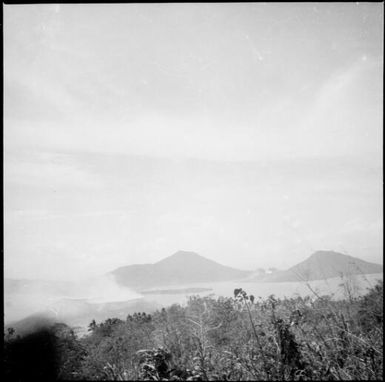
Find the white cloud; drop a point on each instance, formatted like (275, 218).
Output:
(48, 175)
(167, 82)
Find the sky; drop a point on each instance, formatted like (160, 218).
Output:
(249, 133)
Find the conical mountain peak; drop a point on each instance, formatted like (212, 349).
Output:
(178, 269)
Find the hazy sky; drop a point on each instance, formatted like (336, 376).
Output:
(249, 133)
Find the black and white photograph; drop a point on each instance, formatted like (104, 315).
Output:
(193, 191)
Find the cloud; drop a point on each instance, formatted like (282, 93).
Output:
(359, 225)
(136, 99)
(49, 175)
(340, 121)
(158, 83)
(53, 215)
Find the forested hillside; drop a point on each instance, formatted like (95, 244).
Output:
(239, 338)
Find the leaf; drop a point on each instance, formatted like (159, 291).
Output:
(237, 291)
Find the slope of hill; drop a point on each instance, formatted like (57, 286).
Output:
(180, 268)
(323, 265)
(32, 323)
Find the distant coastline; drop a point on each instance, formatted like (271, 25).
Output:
(176, 291)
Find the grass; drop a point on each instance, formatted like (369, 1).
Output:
(239, 338)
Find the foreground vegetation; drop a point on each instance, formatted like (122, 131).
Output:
(240, 338)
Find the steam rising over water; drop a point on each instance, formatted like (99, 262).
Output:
(23, 298)
(77, 303)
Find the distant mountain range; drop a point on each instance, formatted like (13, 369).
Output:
(178, 269)
(188, 267)
(42, 302)
(324, 265)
